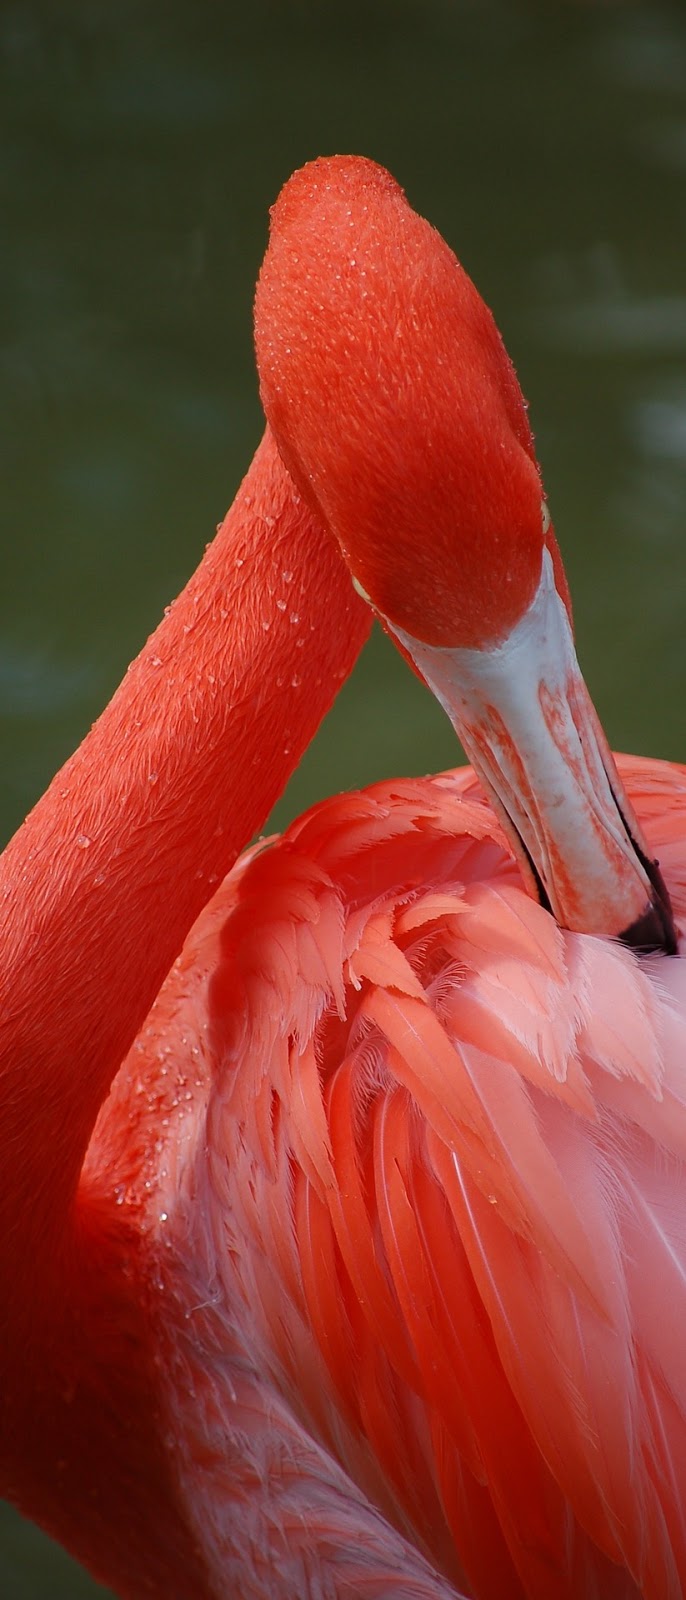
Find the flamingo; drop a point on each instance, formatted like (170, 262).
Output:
(342, 1236)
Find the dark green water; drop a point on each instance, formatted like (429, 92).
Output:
(141, 146)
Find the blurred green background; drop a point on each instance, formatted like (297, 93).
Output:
(142, 144)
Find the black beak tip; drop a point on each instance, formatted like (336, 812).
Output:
(656, 929)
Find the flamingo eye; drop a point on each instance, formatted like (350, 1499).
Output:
(545, 517)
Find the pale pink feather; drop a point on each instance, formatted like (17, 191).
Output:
(425, 1204)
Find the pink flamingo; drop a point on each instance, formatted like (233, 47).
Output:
(342, 1238)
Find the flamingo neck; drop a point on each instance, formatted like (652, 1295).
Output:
(99, 887)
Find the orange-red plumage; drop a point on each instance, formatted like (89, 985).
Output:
(454, 451)
(363, 1272)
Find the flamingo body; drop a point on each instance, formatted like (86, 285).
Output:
(422, 1174)
(342, 1231)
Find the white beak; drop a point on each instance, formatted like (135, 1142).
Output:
(526, 721)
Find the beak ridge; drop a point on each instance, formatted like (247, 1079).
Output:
(526, 721)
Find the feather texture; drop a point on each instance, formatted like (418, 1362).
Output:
(432, 1191)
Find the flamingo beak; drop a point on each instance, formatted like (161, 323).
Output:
(524, 716)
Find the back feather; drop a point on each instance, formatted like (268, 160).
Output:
(441, 1188)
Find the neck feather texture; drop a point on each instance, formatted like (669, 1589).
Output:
(99, 887)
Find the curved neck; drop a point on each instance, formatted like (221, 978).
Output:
(101, 884)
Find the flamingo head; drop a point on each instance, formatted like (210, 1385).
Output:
(399, 416)
(411, 434)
